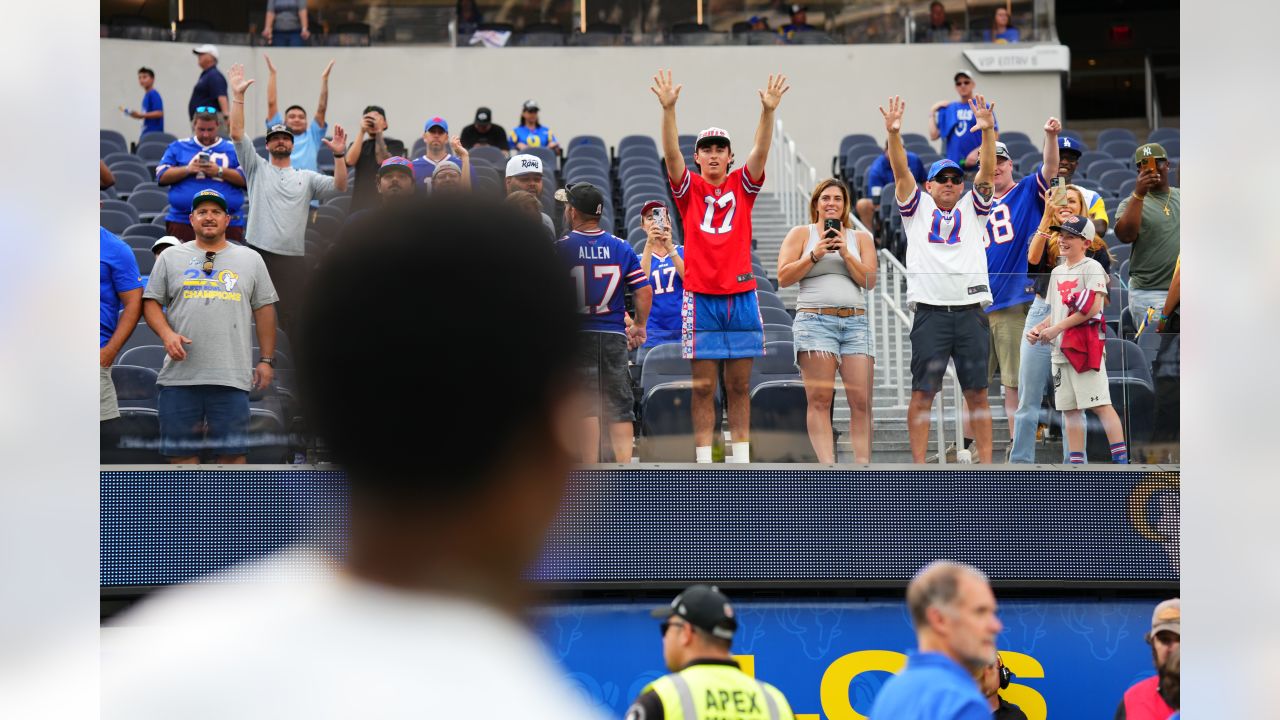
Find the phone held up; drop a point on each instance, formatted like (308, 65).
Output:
(831, 229)
(1056, 185)
(659, 217)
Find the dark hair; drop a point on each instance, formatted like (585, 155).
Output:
(427, 355)
(294, 107)
(147, 70)
(939, 4)
(373, 108)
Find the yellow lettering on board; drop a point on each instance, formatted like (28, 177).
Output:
(834, 689)
(1024, 666)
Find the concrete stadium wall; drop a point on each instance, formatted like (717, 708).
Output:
(835, 89)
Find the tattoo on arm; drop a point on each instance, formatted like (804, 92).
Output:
(985, 189)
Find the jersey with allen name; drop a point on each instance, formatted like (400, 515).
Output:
(602, 267)
(717, 231)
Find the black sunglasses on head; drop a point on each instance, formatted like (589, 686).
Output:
(208, 262)
(949, 178)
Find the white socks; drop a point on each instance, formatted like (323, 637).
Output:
(739, 452)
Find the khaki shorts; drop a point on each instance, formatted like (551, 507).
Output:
(1080, 391)
(108, 408)
(1007, 331)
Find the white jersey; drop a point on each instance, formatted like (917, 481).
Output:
(946, 259)
(336, 647)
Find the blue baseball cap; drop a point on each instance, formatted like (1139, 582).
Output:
(208, 196)
(436, 121)
(1071, 144)
(395, 162)
(940, 165)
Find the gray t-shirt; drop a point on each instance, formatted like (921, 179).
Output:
(279, 201)
(214, 311)
(286, 11)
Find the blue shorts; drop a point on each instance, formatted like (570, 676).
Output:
(199, 417)
(832, 334)
(721, 327)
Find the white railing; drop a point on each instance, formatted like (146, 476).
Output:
(890, 323)
(793, 175)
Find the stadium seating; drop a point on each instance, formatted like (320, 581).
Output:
(779, 427)
(149, 204)
(135, 385)
(114, 220)
(1111, 134)
(666, 422)
(770, 300)
(774, 315)
(777, 363)
(1121, 149)
(1164, 135)
(146, 260)
(163, 139)
(139, 438)
(1112, 180)
(144, 356)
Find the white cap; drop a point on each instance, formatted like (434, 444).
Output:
(166, 240)
(524, 165)
(206, 48)
(712, 132)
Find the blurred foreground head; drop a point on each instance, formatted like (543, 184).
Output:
(436, 345)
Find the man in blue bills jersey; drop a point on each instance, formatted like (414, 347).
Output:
(663, 263)
(1016, 210)
(602, 268)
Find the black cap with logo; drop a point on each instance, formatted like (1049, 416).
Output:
(705, 608)
(583, 197)
(484, 115)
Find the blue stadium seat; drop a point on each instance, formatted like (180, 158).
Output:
(107, 147)
(637, 151)
(146, 260)
(858, 175)
(147, 229)
(121, 159)
(1027, 162)
(1164, 135)
(1120, 252)
(162, 139)
(268, 439)
(779, 424)
(783, 335)
(135, 385)
(776, 316)
(1089, 157)
(1173, 147)
(149, 203)
(116, 221)
(127, 179)
(139, 242)
(1112, 179)
(584, 140)
(115, 137)
(151, 153)
(342, 202)
(1111, 134)
(589, 151)
(908, 138)
(550, 161)
(1121, 150)
(495, 156)
(1008, 137)
(137, 440)
(1126, 189)
(777, 363)
(666, 423)
(1018, 149)
(770, 300)
(145, 356)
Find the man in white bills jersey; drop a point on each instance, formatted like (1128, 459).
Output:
(947, 284)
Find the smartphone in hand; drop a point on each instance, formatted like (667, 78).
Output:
(831, 228)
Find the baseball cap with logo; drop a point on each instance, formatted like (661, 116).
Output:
(1167, 616)
(583, 197)
(713, 136)
(1070, 144)
(279, 129)
(649, 206)
(205, 196)
(206, 49)
(436, 121)
(704, 607)
(531, 105)
(1078, 226)
(1148, 151)
(1002, 151)
(939, 165)
(524, 165)
(395, 163)
(484, 115)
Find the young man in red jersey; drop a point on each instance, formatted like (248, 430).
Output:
(720, 317)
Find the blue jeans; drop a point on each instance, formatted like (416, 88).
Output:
(1033, 375)
(287, 39)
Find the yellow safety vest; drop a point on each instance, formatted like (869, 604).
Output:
(718, 692)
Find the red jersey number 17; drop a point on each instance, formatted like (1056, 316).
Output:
(725, 202)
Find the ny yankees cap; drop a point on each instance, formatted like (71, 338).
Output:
(704, 607)
(1070, 144)
(524, 165)
(1167, 616)
(938, 166)
(395, 163)
(436, 121)
(1150, 150)
(713, 136)
(208, 196)
(1078, 226)
(279, 129)
(583, 197)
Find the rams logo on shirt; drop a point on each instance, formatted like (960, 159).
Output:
(228, 280)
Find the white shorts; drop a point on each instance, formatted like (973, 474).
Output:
(108, 408)
(1080, 391)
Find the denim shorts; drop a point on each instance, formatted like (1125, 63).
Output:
(196, 417)
(839, 336)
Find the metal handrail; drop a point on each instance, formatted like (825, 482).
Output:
(897, 323)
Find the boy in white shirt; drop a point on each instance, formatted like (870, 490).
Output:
(1075, 326)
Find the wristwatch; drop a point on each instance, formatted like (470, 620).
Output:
(268, 360)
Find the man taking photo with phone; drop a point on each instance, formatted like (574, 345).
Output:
(1150, 220)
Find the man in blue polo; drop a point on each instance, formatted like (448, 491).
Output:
(954, 613)
(211, 88)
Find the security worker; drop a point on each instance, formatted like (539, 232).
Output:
(705, 682)
(994, 678)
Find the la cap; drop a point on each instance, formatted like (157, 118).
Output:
(939, 165)
(206, 49)
(704, 607)
(713, 136)
(1070, 144)
(1078, 226)
(524, 165)
(205, 196)
(1167, 616)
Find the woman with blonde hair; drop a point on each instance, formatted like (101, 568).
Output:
(835, 267)
(1035, 361)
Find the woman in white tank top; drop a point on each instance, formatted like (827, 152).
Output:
(835, 269)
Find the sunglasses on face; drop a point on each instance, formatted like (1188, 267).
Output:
(664, 627)
(949, 179)
(963, 82)
(207, 109)
(208, 262)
